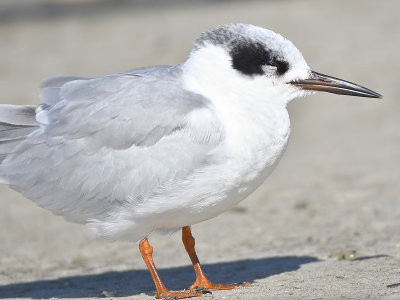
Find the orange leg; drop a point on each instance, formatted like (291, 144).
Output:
(201, 282)
(161, 291)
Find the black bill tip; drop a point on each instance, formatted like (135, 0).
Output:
(324, 83)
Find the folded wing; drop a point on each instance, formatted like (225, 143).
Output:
(106, 141)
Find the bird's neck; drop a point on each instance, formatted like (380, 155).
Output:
(256, 127)
(254, 121)
(249, 119)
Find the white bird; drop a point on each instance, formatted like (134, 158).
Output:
(164, 147)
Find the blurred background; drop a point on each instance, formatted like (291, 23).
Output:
(333, 198)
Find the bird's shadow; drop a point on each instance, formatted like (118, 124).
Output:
(134, 282)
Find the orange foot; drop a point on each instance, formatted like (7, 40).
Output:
(205, 284)
(167, 295)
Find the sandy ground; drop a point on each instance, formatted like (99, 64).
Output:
(325, 225)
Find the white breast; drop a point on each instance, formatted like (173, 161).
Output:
(256, 135)
(254, 142)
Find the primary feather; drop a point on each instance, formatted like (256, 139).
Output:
(16, 122)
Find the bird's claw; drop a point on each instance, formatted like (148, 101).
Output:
(202, 290)
(242, 284)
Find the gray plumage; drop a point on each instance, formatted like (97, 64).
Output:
(102, 143)
(16, 122)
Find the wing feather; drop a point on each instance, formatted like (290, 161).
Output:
(123, 109)
(112, 140)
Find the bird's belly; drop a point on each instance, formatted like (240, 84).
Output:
(229, 184)
(239, 168)
(233, 171)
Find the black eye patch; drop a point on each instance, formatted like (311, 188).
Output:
(248, 58)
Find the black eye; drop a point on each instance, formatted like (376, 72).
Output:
(249, 57)
(281, 66)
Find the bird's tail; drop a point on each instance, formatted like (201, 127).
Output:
(16, 123)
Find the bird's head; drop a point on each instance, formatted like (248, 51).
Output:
(247, 60)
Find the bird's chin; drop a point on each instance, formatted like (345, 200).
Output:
(303, 93)
(298, 93)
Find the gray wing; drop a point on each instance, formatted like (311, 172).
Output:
(108, 140)
(16, 122)
(129, 108)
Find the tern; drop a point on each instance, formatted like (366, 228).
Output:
(161, 148)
